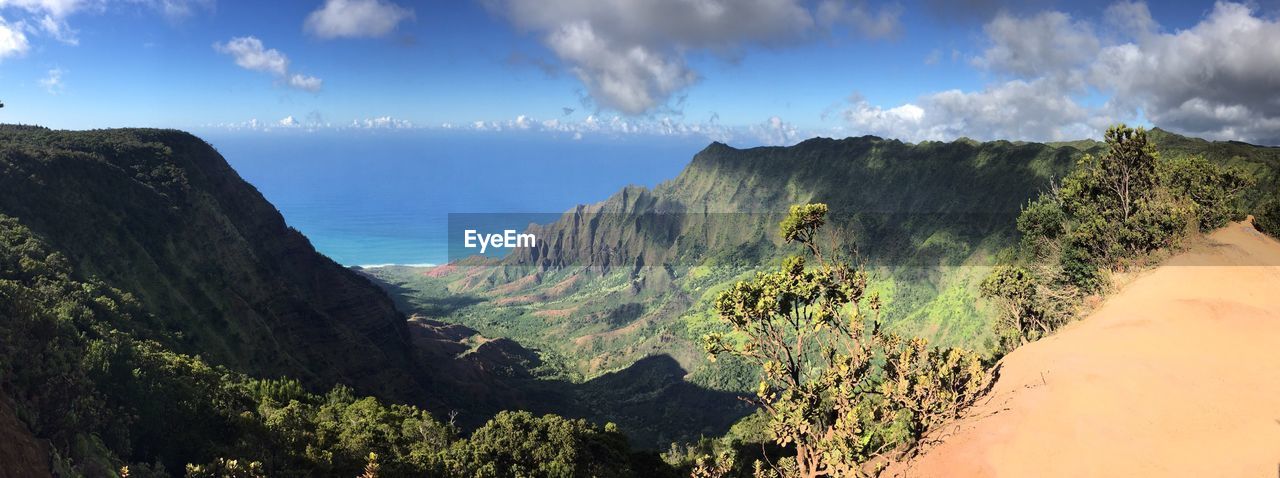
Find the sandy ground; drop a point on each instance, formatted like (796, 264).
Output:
(1177, 374)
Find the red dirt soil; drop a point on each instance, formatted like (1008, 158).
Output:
(1177, 374)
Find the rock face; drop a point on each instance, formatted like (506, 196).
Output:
(160, 214)
(21, 455)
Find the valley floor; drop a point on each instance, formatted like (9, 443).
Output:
(1177, 374)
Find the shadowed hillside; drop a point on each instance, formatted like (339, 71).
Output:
(160, 214)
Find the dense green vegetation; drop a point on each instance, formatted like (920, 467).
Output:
(919, 232)
(157, 315)
(834, 387)
(138, 275)
(159, 214)
(108, 400)
(930, 221)
(1114, 209)
(1267, 218)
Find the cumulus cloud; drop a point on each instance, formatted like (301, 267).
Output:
(356, 18)
(13, 42)
(49, 17)
(629, 78)
(249, 53)
(772, 131)
(858, 15)
(1015, 109)
(305, 83)
(52, 82)
(381, 122)
(776, 132)
(1049, 43)
(1216, 79)
(630, 54)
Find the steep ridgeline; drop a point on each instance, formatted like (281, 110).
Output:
(635, 275)
(893, 195)
(160, 215)
(186, 260)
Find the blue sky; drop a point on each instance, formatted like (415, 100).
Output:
(774, 71)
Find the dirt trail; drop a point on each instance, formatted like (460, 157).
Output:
(1178, 374)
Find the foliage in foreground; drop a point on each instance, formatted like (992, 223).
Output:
(835, 388)
(1111, 210)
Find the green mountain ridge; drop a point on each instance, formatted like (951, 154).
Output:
(159, 214)
(633, 275)
(216, 273)
(146, 291)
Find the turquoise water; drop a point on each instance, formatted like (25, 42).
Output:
(383, 197)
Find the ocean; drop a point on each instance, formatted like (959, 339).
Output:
(383, 197)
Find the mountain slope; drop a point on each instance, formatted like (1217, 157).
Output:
(1175, 375)
(209, 269)
(159, 214)
(633, 275)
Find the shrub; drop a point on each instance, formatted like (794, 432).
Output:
(1268, 218)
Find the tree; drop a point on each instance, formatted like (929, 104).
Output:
(1215, 190)
(521, 444)
(1268, 218)
(805, 328)
(1128, 170)
(829, 379)
(933, 384)
(1015, 289)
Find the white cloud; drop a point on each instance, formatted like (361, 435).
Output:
(48, 18)
(177, 10)
(1130, 19)
(772, 131)
(306, 83)
(356, 18)
(381, 122)
(52, 82)
(1049, 43)
(1036, 110)
(882, 24)
(629, 78)
(59, 30)
(898, 122)
(56, 8)
(249, 53)
(775, 132)
(1216, 79)
(13, 42)
(630, 54)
